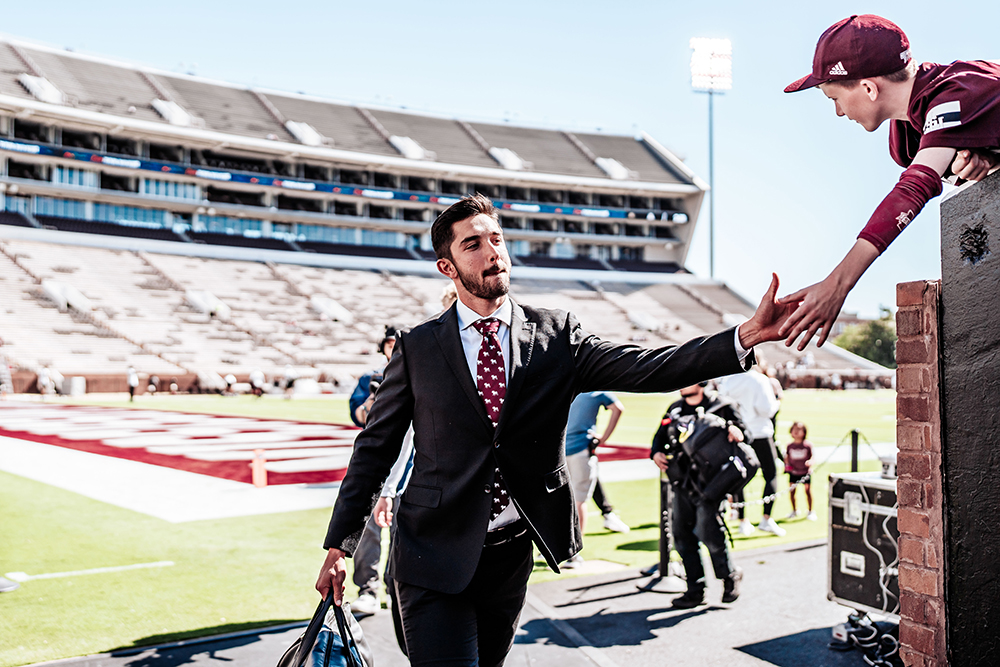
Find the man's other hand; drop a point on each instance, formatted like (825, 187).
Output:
(771, 314)
(735, 434)
(332, 576)
(383, 512)
(972, 166)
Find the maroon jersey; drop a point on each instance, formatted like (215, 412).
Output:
(797, 457)
(951, 106)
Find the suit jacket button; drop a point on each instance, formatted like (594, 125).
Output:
(488, 488)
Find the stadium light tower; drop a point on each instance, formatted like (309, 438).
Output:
(711, 73)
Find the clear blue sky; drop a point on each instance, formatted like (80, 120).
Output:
(794, 182)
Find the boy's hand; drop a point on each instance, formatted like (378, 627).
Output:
(972, 166)
(820, 305)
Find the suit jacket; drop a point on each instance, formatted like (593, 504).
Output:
(442, 517)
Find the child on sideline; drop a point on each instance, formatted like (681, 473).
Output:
(798, 465)
(945, 122)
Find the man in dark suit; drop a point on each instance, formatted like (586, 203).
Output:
(488, 386)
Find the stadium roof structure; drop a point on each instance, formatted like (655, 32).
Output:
(129, 99)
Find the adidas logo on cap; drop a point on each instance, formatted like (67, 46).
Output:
(838, 70)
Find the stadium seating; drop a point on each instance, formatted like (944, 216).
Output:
(358, 250)
(36, 334)
(143, 299)
(563, 263)
(239, 240)
(659, 267)
(15, 219)
(106, 228)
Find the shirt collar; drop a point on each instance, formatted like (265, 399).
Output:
(467, 316)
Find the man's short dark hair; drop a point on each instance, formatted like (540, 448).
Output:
(465, 208)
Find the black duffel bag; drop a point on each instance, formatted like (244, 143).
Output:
(721, 467)
(333, 638)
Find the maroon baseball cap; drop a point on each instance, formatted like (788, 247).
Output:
(858, 47)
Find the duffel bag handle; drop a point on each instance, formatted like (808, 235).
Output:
(347, 637)
(312, 631)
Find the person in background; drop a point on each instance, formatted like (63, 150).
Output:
(798, 465)
(581, 443)
(369, 551)
(290, 377)
(133, 383)
(693, 522)
(257, 382)
(752, 392)
(612, 521)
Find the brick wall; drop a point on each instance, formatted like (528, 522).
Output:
(922, 631)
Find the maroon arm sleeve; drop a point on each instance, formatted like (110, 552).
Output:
(918, 185)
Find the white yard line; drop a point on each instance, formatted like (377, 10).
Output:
(23, 576)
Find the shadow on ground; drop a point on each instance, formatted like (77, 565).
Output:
(803, 648)
(206, 644)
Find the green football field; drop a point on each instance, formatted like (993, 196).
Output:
(233, 574)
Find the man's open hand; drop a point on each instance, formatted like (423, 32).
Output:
(332, 576)
(771, 314)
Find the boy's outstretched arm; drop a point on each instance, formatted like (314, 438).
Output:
(821, 303)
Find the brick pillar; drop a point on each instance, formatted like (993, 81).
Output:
(922, 630)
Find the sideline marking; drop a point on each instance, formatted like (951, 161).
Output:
(23, 576)
(582, 643)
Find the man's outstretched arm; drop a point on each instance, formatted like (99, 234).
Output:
(820, 303)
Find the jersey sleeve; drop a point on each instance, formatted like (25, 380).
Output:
(904, 142)
(963, 112)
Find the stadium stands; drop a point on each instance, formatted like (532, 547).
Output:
(106, 228)
(352, 249)
(13, 218)
(37, 334)
(239, 240)
(208, 177)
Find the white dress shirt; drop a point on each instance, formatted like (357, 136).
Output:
(472, 341)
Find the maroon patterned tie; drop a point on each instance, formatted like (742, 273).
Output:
(491, 379)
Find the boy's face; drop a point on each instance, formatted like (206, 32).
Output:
(798, 435)
(856, 101)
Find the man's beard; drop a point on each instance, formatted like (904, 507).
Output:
(477, 287)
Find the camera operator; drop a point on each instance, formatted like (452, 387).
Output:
(694, 520)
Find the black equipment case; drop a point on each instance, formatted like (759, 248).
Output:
(864, 543)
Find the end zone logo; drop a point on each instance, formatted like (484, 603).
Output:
(948, 114)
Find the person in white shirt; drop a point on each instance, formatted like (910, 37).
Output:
(752, 392)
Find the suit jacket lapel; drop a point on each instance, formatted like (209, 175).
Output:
(454, 354)
(522, 342)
